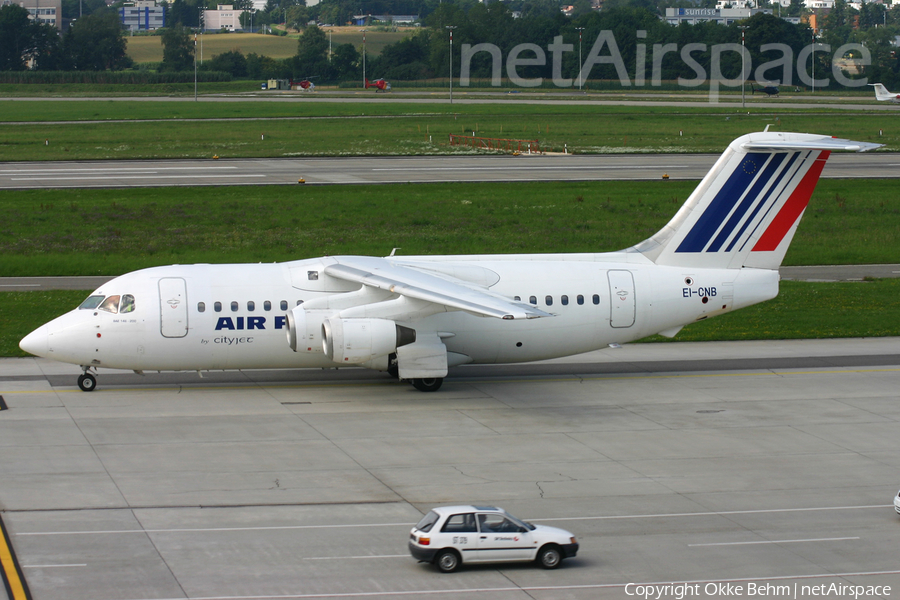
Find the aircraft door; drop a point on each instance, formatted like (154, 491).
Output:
(621, 298)
(173, 314)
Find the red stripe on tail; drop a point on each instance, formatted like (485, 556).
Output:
(793, 208)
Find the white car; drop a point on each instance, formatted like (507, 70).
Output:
(897, 503)
(450, 535)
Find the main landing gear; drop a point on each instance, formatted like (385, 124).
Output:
(86, 381)
(428, 385)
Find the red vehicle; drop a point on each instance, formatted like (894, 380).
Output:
(305, 84)
(380, 85)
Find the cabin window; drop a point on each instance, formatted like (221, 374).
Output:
(201, 307)
(91, 303)
(251, 306)
(579, 299)
(267, 306)
(548, 300)
(283, 305)
(234, 307)
(596, 298)
(299, 302)
(110, 305)
(564, 299)
(127, 305)
(532, 300)
(217, 307)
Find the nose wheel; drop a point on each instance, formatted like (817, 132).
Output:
(87, 382)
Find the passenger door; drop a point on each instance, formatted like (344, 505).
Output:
(173, 313)
(500, 539)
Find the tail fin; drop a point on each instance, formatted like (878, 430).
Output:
(882, 93)
(368, 84)
(745, 211)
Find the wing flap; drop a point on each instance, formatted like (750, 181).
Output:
(398, 279)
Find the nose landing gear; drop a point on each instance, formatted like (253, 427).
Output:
(86, 381)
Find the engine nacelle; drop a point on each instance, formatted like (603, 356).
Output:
(304, 330)
(355, 341)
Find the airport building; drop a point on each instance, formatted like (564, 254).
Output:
(224, 17)
(722, 16)
(142, 15)
(45, 11)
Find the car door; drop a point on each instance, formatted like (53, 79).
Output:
(501, 539)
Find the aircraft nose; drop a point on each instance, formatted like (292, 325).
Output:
(37, 342)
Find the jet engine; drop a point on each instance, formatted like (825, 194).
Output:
(303, 329)
(356, 341)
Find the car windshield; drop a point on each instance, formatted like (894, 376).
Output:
(427, 522)
(524, 524)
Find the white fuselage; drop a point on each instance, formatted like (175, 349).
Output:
(210, 317)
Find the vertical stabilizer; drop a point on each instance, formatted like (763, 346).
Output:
(745, 211)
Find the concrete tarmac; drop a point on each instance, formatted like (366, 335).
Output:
(734, 466)
(398, 169)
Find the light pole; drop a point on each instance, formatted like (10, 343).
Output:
(743, 28)
(329, 45)
(195, 67)
(812, 55)
(364, 59)
(579, 30)
(451, 28)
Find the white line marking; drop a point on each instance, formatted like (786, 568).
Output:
(774, 542)
(112, 170)
(6, 285)
(117, 177)
(357, 557)
(351, 526)
(532, 168)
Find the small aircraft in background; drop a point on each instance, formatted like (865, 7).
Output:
(882, 94)
(380, 85)
(769, 90)
(305, 84)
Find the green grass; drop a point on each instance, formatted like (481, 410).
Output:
(144, 49)
(108, 232)
(802, 310)
(337, 129)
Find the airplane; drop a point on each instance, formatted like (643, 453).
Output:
(769, 90)
(380, 85)
(416, 317)
(881, 93)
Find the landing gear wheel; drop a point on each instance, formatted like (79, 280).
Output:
(428, 385)
(87, 382)
(549, 557)
(393, 367)
(447, 561)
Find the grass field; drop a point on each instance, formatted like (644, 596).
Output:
(343, 129)
(148, 49)
(107, 232)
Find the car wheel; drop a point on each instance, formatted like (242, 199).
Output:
(447, 561)
(549, 557)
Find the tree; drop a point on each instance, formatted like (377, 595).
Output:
(178, 49)
(96, 43)
(312, 52)
(15, 37)
(229, 62)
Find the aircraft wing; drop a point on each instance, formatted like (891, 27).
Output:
(452, 293)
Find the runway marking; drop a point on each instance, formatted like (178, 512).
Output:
(410, 524)
(117, 177)
(11, 572)
(356, 557)
(837, 539)
(535, 168)
(573, 378)
(113, 170)
(535, 588)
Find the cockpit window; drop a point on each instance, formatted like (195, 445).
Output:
(91, 303)
(111, 304)
(127, 305)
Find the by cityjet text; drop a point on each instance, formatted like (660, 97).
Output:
(605, 51)
(680, 591)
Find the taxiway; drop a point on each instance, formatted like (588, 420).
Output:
(764, 463)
